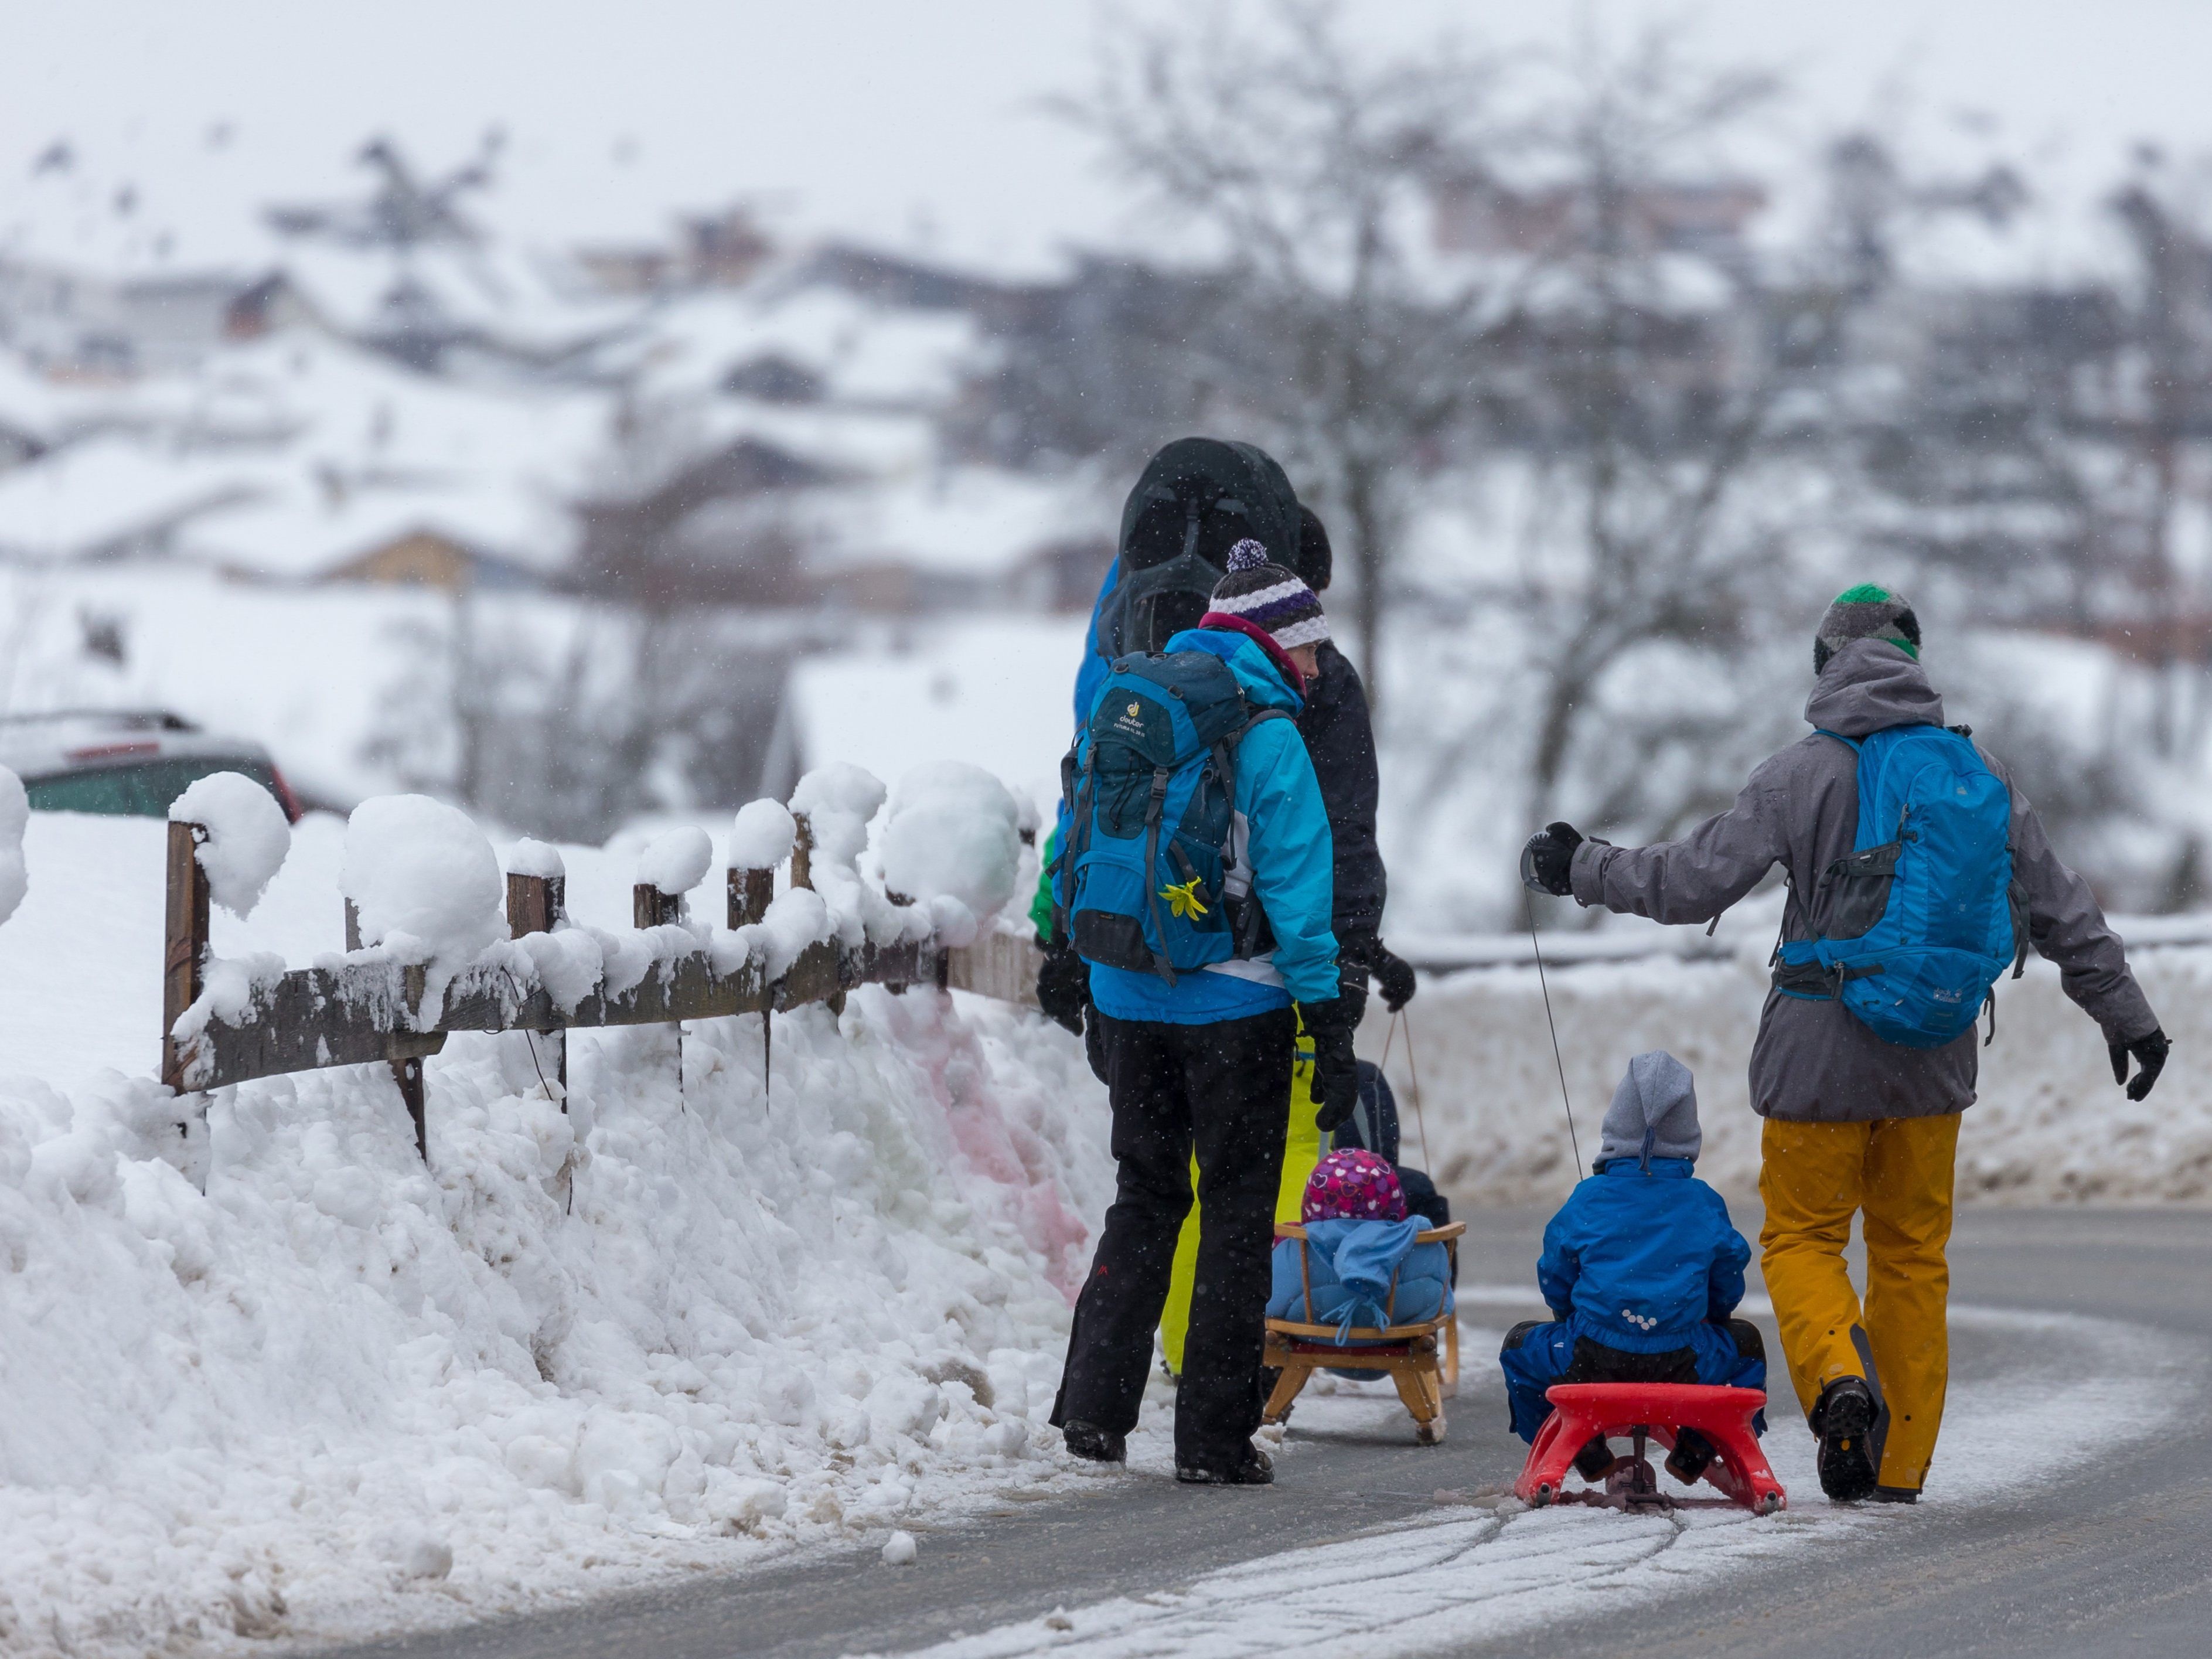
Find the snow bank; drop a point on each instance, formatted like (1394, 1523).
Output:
(247, 837)
(425, 884)
(762, 838)
(338, 1391)
(2049, 1127)
(953, 832)
(675, 862)
(15, 818)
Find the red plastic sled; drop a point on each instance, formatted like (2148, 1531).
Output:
(1656, 1410)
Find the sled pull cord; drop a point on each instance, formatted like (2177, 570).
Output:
(1528, 903)
(1389, 1036)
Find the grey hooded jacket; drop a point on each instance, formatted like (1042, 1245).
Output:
(1654, 1112)
(1814, 1061)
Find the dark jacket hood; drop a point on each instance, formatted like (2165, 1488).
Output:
(1870, 685)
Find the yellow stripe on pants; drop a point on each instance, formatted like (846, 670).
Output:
(1812, 1178)
(1301, 1152)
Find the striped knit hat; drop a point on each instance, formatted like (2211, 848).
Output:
(1270, 597)
(1866, 612)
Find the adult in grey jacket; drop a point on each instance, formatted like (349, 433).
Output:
(1853, 1122)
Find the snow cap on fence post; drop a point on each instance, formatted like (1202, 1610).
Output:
(760, 840)
(671, 865)
(14, 818)
(952, 841)
(246, 840)
(424, 883)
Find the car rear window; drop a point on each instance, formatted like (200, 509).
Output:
(144, 790)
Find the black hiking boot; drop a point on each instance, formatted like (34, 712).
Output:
(1897, 1494)
(1094, 1444)
(1693, 1455)
(1843, 1418)
(1252, 1469)
(1595, 1461)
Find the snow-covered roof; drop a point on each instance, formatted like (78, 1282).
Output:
(967, 520)
(108, 494)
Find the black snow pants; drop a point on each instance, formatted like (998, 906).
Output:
(1223, 1092)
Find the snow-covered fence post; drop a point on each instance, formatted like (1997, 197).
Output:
(185, 942)
(802, 875)
(651, 907)
(534, 903)
(406, 1049)
(751, 891)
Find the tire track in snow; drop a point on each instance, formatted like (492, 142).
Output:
(1488, 1568)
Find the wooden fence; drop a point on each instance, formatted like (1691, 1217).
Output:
(370, 1011)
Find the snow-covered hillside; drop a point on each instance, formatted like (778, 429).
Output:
(272, 1375)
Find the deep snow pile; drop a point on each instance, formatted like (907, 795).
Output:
(823, 1286)
(2049, 1126)
(247, 836)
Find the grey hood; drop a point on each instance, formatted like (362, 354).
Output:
(1870, 685)
(1654, 1112)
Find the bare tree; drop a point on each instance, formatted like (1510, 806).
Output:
(1304, 167)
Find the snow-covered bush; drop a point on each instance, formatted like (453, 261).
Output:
(247, 837)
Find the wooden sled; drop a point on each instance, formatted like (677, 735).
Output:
(1422, 1359)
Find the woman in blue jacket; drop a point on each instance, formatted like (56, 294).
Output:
(1200, 1061)
(1642, 1268)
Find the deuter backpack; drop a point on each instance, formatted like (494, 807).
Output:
(1154, 876)
(1922, 918)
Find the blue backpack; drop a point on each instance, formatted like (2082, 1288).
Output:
(1922, 917)
(1153, 877)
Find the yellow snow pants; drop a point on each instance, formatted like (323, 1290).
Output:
(1811, 1178)
(1301, 1152)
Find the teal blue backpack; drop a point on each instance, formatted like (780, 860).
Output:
(1922, 917)
(1153, 877)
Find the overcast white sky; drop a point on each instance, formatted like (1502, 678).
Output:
(908, 121)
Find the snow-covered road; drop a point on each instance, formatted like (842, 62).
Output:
(1488, 1568)
(2080, 1355)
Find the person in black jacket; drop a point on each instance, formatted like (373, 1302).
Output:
(1340, 738)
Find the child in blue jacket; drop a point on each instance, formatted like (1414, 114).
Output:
(1642, 1268)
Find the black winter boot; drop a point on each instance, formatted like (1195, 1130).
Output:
(1595, 1461)
(1693, 1455)
(1843, 1418)
(1252, 1469)
(1094, 1444)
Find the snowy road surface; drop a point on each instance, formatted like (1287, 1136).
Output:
(2072, 1508)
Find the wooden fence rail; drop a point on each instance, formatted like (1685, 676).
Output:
(361, 1012)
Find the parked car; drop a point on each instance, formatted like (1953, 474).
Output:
(129, 761)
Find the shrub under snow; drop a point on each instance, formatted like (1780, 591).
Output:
(247, 837)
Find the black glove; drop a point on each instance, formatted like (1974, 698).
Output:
(1393, 974)
(1336, 1072)
(1548, 858)
(1063, 985)
(1351, 991)
(1093, 1041)
(2150, 1061)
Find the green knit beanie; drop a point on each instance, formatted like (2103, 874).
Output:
(1867, 612)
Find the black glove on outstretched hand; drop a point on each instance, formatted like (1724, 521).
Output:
(1395, 975)
(1336, 1072)
(1548, 858)
(1063, 985)
(2150, 1059)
